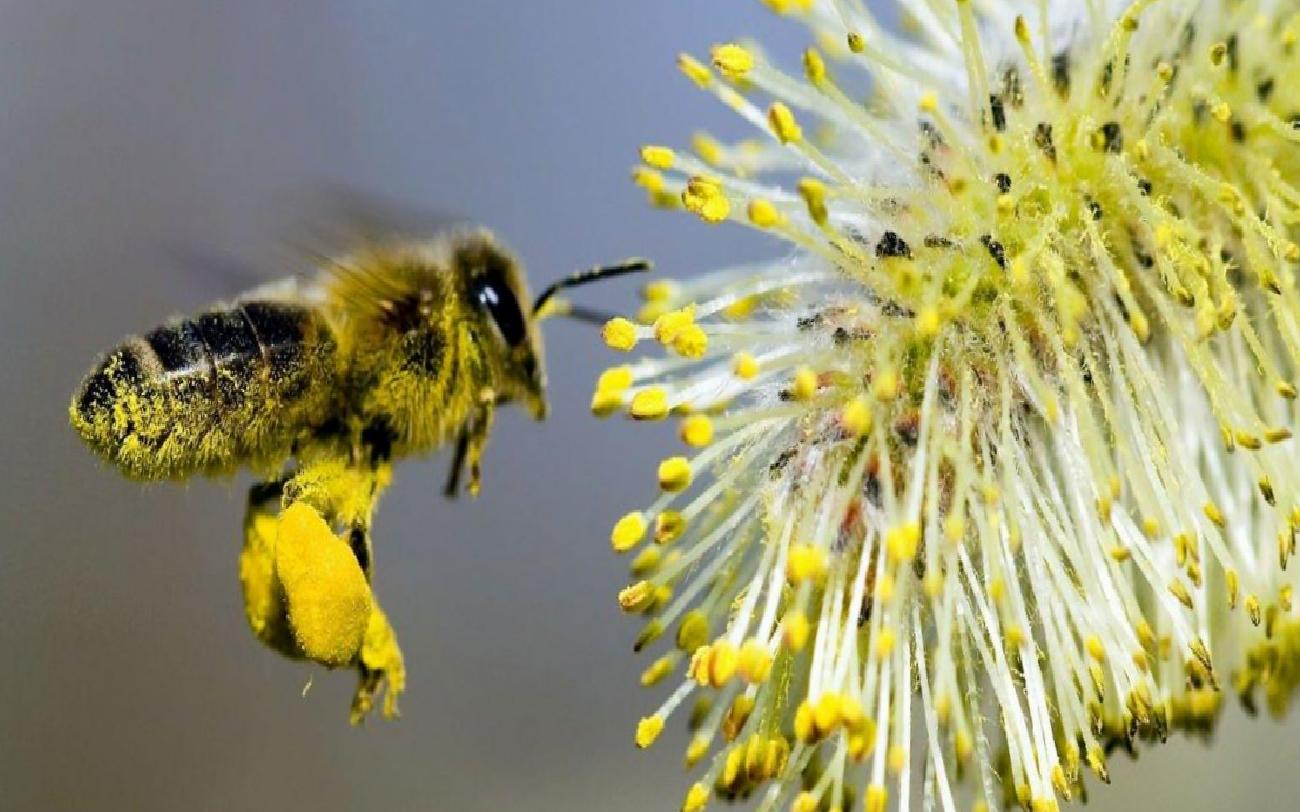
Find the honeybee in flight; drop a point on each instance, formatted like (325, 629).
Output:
(398, 347)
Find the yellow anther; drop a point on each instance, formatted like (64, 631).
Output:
(669, 525)
(876, 799)
(723, 659)
(647, 730)
(660, 290)
(928, 322)
(856, 418)
(884, 643)
(1277, 435)
(744, 365)
(1232, 585)
(697, 430)
(795, 629)
(628, 531)
(695, 70)
(804, 387)
(650, 404)
(929, 102)
(649, 179)
(755, 662)
(693, 632)
(1217, 52)
(619, 334)
(814, 67)
(1253, 609)
(765, 215)
(633, 598)
(696, 750)
(783, 123)
(734, 61)
(887, 384)
(669, 325)
(675, 474)
(856, 42)
(896, 759)
(805, 728)
(704, 197)
(658, 157)
(804, 802)
(1022, 30)
(1179, 591)
(697, 798)
(741, 308)
(963, 747)
(1213, 513)
(852, 715)
(1015, 637)
(605, 402)
(826, 714)
(1095, 648)
(954, 528)
(707, 147)
(615, 379)
(805, 562)
(902, 542)
(813, 193)
(691, 342)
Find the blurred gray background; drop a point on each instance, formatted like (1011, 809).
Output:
(128, 679)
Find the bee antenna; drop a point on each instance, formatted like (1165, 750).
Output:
(591, 275)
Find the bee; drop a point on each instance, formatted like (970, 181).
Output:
(397, 348)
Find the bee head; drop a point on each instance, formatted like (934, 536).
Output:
(497, 296)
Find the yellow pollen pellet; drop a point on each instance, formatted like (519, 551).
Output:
(647, 730)
(765, 215)
(650, 404)
(856, 418)
(691, 342)
(675, 474)
(628, 531)
(805, 562)
(734, 61)
(658, 157)
(695, 70)
(704, 197)
(805, 384)
(783, 123)
(795, 629)
(744, 365)
(697, 431)
(619, 334)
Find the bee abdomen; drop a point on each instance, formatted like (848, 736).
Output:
(205, 394)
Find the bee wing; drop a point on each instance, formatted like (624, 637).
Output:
(334, 219)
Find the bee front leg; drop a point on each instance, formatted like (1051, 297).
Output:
(457, 464)
(480, 428)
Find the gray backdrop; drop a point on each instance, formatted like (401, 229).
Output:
(128, 679)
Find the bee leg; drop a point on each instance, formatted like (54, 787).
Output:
(263, 593)
(479, 429)
(457, 465)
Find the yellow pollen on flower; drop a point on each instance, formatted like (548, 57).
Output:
(675, 474)
(754, 662)
(704, 197)
(814, 66)
(783, 123)
(619, 334)
(691, 342)
(669, 525)
(628, 531)
(722, 661)
(658, 157)
(734, 61)
(650, 404)
(697, 430)
(647, 730)
(764, 215)
(813, 193)
(615, 379)
(669, 325)
(744, 366)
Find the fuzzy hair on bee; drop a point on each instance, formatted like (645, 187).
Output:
(397, 348)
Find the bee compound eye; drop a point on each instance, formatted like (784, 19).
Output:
(495, 297)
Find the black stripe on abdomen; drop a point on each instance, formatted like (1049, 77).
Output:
(280, 329)
(180, 349)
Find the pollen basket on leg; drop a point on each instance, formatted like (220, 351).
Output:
(1008, 436)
